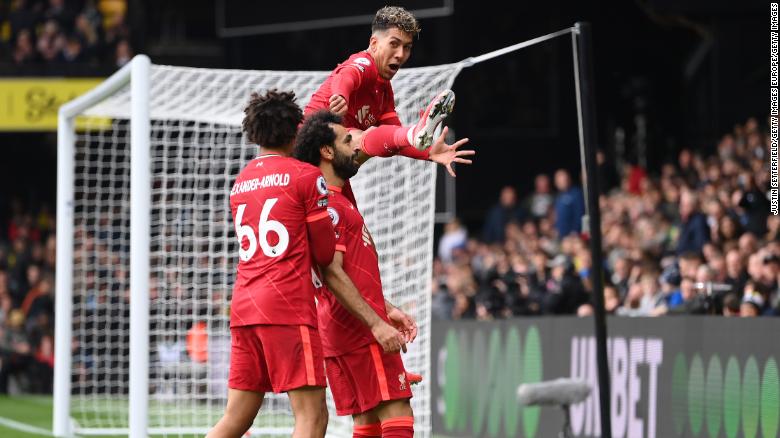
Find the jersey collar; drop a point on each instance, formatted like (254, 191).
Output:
(336, 189)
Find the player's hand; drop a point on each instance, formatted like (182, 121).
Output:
(403, 323)
(446, 154)
(391, 340)
(338, 105)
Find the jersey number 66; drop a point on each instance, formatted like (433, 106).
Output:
(263, 228)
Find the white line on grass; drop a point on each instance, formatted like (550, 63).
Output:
(7, 422)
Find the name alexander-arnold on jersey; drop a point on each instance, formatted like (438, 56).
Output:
(273, 180)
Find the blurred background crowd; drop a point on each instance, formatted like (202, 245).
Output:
(693, 237)
(27, 260)
(55, 33)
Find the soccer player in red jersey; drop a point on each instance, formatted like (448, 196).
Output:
(281, 221)
(367, 383)
(359, 89)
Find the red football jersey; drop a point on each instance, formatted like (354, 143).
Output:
(272, 200)
(340, 331)
(369, 104)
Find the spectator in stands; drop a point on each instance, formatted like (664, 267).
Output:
(507, 210)
(611, 299)
(72, 50)
(693, 302)
(87, 33)
(731, 305)
(636, 178)
(454, 237)
(442, 304)
(124, 53)
(621, 272)
(24, 49)
(752, 305)
(686, 168)
(538, 204)
(564, 290)
(569, 205)
(50, 41)
(694, 231)
(15, 349)
(752, 205)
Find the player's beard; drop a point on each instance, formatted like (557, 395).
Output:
(345, 166)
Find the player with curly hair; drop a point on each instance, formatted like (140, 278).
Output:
(360, 91)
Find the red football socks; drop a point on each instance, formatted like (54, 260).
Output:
(398, 427)
(373, 430)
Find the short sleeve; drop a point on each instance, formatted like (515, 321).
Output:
(314, 193)
(336, 213)
(363, 66)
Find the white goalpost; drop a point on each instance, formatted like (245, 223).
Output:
(146, 250)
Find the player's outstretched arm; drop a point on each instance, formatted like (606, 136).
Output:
(345, 291)
(446, 154)
(401, 321)
(344, 82)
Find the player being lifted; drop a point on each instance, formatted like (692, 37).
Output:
(280, 217)
(359, 89)
(366, 383)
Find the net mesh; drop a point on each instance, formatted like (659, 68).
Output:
(197, 149)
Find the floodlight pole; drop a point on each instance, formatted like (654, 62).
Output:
(586, 112)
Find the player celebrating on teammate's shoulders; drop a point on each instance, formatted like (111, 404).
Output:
(359, 90)
(367, 383)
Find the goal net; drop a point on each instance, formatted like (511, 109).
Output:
(196, 149)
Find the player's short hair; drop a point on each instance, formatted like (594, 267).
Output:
(314, 133)
(395, 16)
(272, 119)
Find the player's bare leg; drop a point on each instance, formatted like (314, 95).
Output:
(396, 417)
(366, 425)
(241, 410)
(310, 411)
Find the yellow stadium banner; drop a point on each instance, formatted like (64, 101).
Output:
(28, 104)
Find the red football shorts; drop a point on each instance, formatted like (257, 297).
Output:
(276, 358)
(363, 378)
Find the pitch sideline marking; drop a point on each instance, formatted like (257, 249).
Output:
(24, 427)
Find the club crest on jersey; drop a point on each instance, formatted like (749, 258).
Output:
(334, 216)
(362, 61)
(402, 380)
(321, 186)
(365, 117)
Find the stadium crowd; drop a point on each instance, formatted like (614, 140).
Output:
(27, 259)
(696, 238)
(61, 32)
